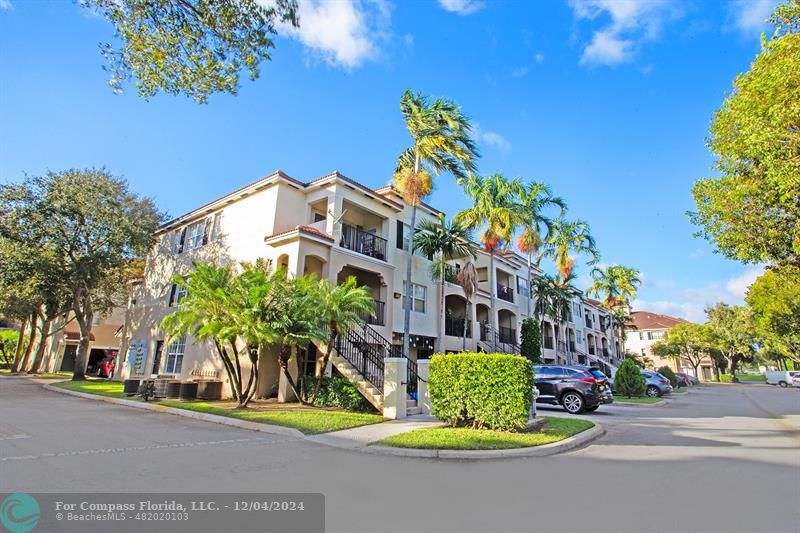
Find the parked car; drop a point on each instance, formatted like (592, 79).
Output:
(796, 381)
(657, 384)
(782, 378)
(687, 379)
(576, 388)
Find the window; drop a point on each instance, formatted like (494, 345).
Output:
(216, 226)
(196, 236)
(641, 335)
(655, 335)
(419, 297)
(176, 293)
(175, 356)
(318, 217)
(157, 357)
(522, 286)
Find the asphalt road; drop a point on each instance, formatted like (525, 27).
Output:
(723, 458)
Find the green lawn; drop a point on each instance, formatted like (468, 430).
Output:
(554, 430)
(636, 399)
(99, 387)
(751, 377)
(309, 422)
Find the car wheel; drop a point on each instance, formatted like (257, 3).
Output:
(783, 384)
(573, 403)
(592, 409)
(653, 391)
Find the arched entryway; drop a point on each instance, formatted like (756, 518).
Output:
(372, 280)
(482, 316)
(457, 316)
(507, 326)
(314, 264)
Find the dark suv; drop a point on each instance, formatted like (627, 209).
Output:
(576, 388)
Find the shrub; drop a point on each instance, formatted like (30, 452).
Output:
(531, 346)
(629, 380)
(486, 390)
(147, 391)
(338, 391)
(669, 374)
(726, 378)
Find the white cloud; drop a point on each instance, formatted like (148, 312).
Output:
(749, 16)
(690, 303)
(343, 33)
(462, 7)
(631, 23)
(492, 139)
(6, 4)
(520, 72)
(539, 57)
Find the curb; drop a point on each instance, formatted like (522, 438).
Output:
(567, 444)
(659, 403)
(223, 420)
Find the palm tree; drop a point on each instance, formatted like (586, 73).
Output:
(468, 279)
(568, 237)
(563, 292)
(441, 242)
(339, 308)
(617, 286)
(442, 142)
(534, 199)
(204, 315)
(494, 209)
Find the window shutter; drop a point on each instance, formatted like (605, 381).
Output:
(399, 235)
(181, 240)
(206, 230)
(172, 295)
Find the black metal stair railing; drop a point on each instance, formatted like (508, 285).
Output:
(365, 356)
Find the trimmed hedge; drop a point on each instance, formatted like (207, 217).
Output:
(484, 390)
(337, 391)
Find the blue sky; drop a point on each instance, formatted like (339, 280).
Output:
(608, 101)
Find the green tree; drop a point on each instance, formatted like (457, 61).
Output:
(8, 347)
(194, 47)
(668, 373)
(570, 237)
(441, 242)
(495, 210)
(531, 346)
(689, 342)
(535, 199)
(628, 381)
(616, 285)
(732, 330)
(339, 308)
(468, 280)
(441, 138)
(751, 212)
(774, 300)
(92, 226)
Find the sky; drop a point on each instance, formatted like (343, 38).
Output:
(608, 101)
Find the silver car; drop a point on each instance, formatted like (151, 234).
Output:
(657, 385)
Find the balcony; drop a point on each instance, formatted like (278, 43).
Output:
(362, 242)
(450, 274)
(504, 292)
(455, 327)
(508, 335)
(548, 343)
(378, 318)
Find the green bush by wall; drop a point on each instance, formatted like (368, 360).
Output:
(628, 380)
(531, 346)
(338, 391)
(484, 390)
(726, 378)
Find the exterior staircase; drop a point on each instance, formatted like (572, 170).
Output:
(485, 342)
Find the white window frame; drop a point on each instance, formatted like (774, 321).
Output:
(173, 358)
(195, 234)
(419, 297)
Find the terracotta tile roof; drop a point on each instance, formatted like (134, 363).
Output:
(648, 320)
(594, 302)
(301, 229)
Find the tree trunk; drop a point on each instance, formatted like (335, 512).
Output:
(283, 362)
(464, 337)
(440, 340)
(82, 307)
(32, 343)
(20, 344)
(409, 288)
(37, 361)
(333, 333)
(236, 386)
(492, 298)
(529, 284)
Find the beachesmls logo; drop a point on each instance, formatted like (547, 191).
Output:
(19, 512)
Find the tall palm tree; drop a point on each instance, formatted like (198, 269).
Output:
(563, 292)
(535, 199)
(339, 309)
(494, 209)
(570, 237)
(468, 279)
(617, 286)
(441, 142)
(441, 242)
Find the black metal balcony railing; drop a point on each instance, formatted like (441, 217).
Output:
(504, 292)
(450, 274)
(377, 319)
(507, 335)
(455, 327)
(591, 349)
(548, 343)
(362, 242)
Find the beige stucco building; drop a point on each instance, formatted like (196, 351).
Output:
(335, 227)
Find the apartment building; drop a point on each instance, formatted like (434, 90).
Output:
(335, 227)
(646, 329)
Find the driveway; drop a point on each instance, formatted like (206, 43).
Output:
(724, 458)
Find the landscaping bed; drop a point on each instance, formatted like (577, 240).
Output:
(461, 438)
(637, 399)
(309, 420)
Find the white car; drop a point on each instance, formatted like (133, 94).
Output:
(796, 381)
(783, 378)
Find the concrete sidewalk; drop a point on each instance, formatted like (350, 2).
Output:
(360, 437)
